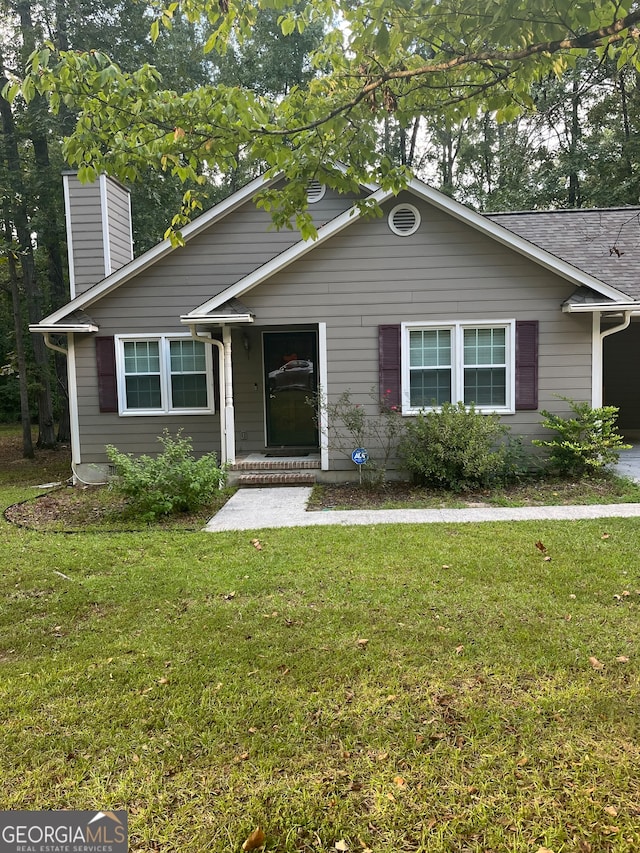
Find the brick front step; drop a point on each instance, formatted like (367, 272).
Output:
(274, 478)
(275, 464)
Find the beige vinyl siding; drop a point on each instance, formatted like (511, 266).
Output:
(129, 434)
(90, 264)
(367, 276)
(363, 277)
(153, 302)
(119, 225)
(208, 264)
(85, 212)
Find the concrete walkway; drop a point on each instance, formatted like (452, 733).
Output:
(257, 508)
(254, 509)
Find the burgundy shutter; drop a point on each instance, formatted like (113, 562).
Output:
(107, 386)
(389, 364)
(526, 364)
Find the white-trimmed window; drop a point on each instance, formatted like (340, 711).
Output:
(472, 362)
(163, 374)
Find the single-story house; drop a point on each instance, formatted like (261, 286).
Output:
(229, 336)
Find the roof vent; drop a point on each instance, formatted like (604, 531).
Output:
(315, 191)
(404, 220)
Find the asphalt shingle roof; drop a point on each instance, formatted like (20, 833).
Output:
(603, 243)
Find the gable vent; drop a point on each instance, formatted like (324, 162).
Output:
(404, 220)
(315, 191)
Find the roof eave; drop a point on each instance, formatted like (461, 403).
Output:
(597, 307)
(150, 257)
(215, 320)
(516, 242)
(63, 328)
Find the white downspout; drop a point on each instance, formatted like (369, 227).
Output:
(227, 442)
(598, 337)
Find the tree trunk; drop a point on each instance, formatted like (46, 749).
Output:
(574, 198)
(18, 213)
(37, 119)
(21, 357)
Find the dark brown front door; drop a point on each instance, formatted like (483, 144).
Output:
(291, 384)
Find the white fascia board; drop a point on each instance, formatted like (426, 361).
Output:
(597, 307)
(138, 265)
(285, 258)
(63, 328)
(514, 241)
(216, 320)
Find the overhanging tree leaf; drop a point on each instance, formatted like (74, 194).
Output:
(404, 58)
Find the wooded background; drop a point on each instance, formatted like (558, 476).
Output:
(570, 141)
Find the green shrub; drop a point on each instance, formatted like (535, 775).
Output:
(172, 482)
(458, 448)
(586, 442)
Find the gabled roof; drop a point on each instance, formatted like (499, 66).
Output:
(153, 255)
(603, 243)
(483, 224)
(514, 231)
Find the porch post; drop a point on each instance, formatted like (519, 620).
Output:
(229, 413)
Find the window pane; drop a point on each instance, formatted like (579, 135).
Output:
(143, 392)
(485, 386)
(141, 357)
(187, 357)
(484, 346)
(429, 388)
(189, 391)
(430, 348)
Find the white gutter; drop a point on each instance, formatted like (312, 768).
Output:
(606, 307)
(217, 320)
(62, 329)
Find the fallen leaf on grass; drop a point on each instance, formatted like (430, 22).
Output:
(399, 781)
(341, 845)
(605, 536)
(163, 680)
(255, 840)
(610, 830)
(595, 663)
(622, 659)
(362, 643)
(542, 548)
(459, 649)
(257, 544)
(544, 850)
(612, 810)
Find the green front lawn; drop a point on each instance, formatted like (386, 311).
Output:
(411, 688)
